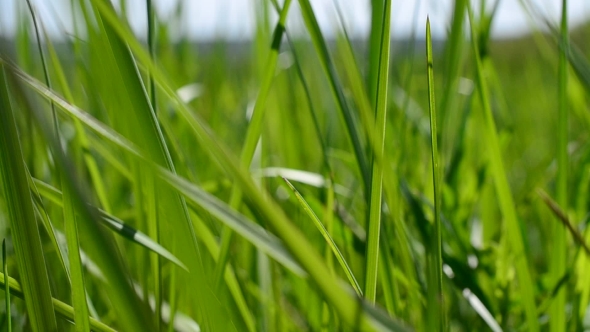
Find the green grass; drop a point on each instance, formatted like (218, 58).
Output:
(310, 183)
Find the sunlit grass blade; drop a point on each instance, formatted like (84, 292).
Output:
(25, 233)
(376, 188)
(62, 309)
(320, 226)
(503, 192)
(558, 259)
(6, 288)
(435, 306)
(113, 223)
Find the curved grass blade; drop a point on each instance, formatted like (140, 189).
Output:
(436, 321)
(6, 288)
(62, 309)
(113, 223)
(317, 222)
(503, 192)
(376, 188)
(25, 234)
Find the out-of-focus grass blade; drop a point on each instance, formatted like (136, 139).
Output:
(237, 222)
(562, 216)
(25, 234)
(78, 292)
(436, 320)
(6, 288)
(336, 88)
(503, 193)
(254, 130)
(317, 222)
(558, 257)
(62, 309)
(376, 188)
(113, 223)
(230, 277)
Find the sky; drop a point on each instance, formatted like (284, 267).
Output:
(236, 19)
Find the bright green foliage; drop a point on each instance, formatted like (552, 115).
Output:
(305, 181)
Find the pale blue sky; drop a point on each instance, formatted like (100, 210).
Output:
(235, 19)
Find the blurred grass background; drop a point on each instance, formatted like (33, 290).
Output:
(151, 133)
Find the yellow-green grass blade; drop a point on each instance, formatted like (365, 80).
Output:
(435, 305)
(63, 309)
(376, 188)
(320, 226)
(25, 233)
(254, 130)
(114, 223)
(6, 288)
(503, 192)
(558, 259)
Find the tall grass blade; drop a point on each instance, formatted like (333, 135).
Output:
(435, 306)
(25, 233)
(75, 271)
(503, 192)
(337, 91)
(558, 259)
(254, 131)
(376, 188)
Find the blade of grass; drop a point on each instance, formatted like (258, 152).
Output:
(62, 309)
(503, 192)
(26, 238)
(153, 221)
(562, 216)
(6, 288)
(320, 226)
(435, 305)
(376, 188)
(558, 257)
(337, 91)
(254, 131)
(113, 223)
(76, 276)
(132, 312)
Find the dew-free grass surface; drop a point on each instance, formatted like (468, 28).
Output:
(300, 181)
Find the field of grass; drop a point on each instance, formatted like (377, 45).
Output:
(295, 182)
